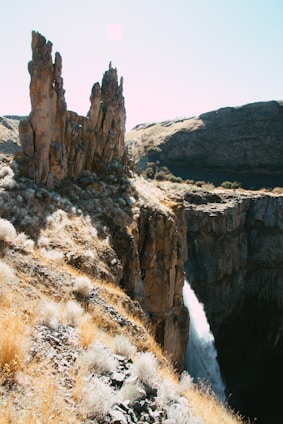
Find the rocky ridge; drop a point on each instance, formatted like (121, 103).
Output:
(58, 143)
(246, 138)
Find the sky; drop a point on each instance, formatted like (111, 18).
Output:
(178, 58)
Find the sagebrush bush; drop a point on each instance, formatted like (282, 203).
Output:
(49, 314)
(7, 230)
(97, 398)
(24, 242)
(131, 392)
(98, 358)
(83, 286)
(73, 313)
(145, 368)
(53, 254)
(6, 273)
(122, 345)
(180, 413)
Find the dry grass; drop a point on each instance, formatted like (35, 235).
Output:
(209, 408)
(13, 347)
(87, 331)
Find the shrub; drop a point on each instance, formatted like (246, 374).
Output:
(148, 173)
(83, 286)
(199, 183)
(6, 273)
(131, 392)
(180, 413)
(174, 179)
(186, 382)
(97, 398)
(73, 313)
(52, 255)
(153, 150)
(24, 242)
(236, 184)
(190, 181)
(98, 357)
(161, 176)
(230, 184)
(49, 314)
(7, 230)
(145, 368)
(122, 345)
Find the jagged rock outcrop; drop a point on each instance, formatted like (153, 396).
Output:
(235, 250)
(152, 256)
(246, 138)
(58, 143)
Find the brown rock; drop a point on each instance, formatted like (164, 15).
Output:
(58, 143)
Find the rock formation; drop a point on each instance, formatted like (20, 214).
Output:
(153, 272)
(58, 143)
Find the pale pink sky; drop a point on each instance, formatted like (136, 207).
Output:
(178, 57)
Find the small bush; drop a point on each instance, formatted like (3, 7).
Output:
(236, 184)
(145, 368)
(153, 150)
(7, 230)
(161, 176)
(73, 313)
(49, 314)
(230, 184)
(174, 179)
(200, 183)
(83, 286)
(6, 273)
(97, 398)
(122, 345)
(99, 359)
(190, 181)
(148, 173)
(52, 255)
(24, 242)
(131, 392)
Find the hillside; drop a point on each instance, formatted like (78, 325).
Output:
(74, 346)
(236, 144)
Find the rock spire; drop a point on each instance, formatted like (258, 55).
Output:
(58, 143)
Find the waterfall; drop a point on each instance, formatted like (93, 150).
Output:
(201, 356)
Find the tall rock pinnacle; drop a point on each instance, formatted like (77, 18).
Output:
(58, 143)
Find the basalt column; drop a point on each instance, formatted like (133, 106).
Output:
(58, 143)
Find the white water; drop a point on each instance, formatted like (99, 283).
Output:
(201, 356)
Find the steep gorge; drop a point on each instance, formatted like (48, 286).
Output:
(235, 249)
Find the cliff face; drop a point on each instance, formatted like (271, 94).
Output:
(58, 143)
(247, 138)
(149, 240)
(235, 250)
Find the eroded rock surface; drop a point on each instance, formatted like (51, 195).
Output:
(246, 138)
(235, 250)
(58, 143)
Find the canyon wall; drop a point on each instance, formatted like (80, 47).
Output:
(58, 143)
(246, 138)
(235, 252)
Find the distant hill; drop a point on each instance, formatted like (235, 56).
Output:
(242, 141)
